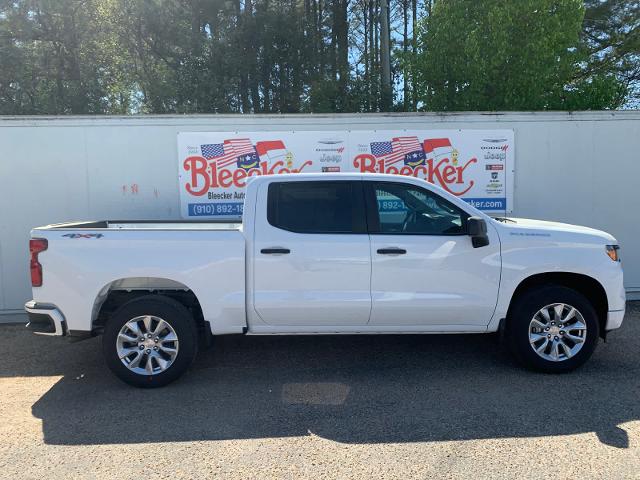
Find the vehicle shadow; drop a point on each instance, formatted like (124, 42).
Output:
(351, 389)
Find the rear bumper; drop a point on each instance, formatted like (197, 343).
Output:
(45, 319)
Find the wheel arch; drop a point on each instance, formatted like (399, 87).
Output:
(120, 291)
(588, 286)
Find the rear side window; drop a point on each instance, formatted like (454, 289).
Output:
(317, 207)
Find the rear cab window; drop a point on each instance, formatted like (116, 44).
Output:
(335, 206)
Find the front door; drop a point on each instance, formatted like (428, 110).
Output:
(312, 262)
(425, 271)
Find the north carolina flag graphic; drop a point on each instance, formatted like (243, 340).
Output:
(273, 150)
(437, 147)
(246, 156)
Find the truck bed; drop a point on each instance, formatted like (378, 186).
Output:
(85, 261)
(147, 225)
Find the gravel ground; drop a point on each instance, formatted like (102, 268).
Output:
(322, 407)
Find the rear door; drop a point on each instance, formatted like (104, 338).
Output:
(425, 271)
(312, 261)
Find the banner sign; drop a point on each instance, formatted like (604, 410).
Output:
(213, 167)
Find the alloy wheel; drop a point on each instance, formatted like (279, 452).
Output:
(557, 332)
(147, 345)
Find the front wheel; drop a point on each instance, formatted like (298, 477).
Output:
(150, 341)
(553, 329)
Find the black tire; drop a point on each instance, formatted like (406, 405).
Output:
(167, 309)
(523, 311)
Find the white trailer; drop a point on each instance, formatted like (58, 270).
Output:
(579, 168)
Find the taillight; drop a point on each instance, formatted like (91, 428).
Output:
(36, 245)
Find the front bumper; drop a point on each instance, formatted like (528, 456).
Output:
(45, 319)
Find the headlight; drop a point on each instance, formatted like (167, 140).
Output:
(613, 252)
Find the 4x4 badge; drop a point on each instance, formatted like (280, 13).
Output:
(83, 235)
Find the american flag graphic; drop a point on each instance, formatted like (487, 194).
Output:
(399, 149)
(221, 153)
(238, 150)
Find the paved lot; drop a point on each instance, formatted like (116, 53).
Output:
(324, 407)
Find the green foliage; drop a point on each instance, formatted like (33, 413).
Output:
(496, 55)
(610, 41)
(599, 92)
(60, 56)
(218, 56)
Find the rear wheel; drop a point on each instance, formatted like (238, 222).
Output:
(553, 329)
(150, 341)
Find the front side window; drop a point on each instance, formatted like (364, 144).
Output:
(317, 207)
(409, 209)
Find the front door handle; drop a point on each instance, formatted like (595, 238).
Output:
(392, 251)
(275, 251)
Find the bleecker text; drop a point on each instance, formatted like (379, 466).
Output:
(440, 172)
(206, 175)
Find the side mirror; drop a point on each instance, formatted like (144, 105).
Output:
(477, 230)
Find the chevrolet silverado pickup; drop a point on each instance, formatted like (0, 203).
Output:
(326, 254)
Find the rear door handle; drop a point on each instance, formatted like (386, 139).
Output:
(392, 251)
(275, 251)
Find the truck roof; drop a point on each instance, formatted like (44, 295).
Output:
(287, 177)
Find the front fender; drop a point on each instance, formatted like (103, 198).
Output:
(521, 261)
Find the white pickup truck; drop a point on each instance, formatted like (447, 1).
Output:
(326, 254)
